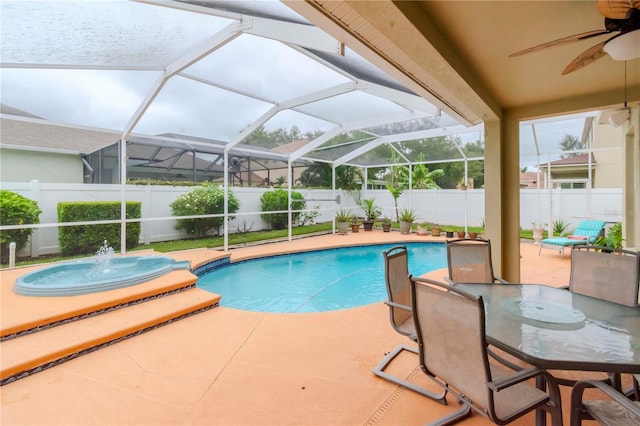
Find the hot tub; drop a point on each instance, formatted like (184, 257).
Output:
(94, 275)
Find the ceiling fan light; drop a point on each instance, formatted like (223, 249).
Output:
(624, 46)
(618, 117)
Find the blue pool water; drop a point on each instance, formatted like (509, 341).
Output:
(317, 281)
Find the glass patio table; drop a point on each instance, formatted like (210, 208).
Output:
(555, 329)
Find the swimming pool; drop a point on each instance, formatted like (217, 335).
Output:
(316, 281)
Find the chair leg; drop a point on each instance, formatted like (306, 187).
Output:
(379, 371)
(455, 417)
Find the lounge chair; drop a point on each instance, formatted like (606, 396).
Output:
(469, 261)
(615, 409)
(586, 233)
(450, 324)
(400, 313)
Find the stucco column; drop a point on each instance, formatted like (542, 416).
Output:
(502, 195)
(631, 188)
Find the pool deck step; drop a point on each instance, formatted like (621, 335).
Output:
(33, 352)
(44, 312)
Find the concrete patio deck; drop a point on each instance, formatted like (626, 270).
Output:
(230, 367)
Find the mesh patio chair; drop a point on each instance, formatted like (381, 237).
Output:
(400, 313)
(615, 409)
(469, 261)
(605, 273)
(450, 325)
(608, 274)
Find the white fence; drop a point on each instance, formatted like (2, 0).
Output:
(452, 207)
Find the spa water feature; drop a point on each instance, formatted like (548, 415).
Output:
(102, 272)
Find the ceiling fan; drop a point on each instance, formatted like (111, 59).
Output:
(621, 16)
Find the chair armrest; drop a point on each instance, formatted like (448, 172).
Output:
(504, 361)
(449, 281)
(398, 305)
(518, 377)
(620, 398)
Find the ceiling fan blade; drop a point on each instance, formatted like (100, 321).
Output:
(585, 58)
(561, 41)
(616, 9)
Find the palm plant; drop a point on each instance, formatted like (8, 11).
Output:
(560, 226)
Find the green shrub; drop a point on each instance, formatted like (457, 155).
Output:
(278, 199)
(613, 238)
(206, 199)
(87, 239)
(16, 210)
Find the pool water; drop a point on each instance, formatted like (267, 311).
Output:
(317, 281)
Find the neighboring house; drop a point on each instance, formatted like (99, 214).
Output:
(31, 150)
(530, 180)
(34, 149)
(607, 161)
(288, 148)
(571, 172)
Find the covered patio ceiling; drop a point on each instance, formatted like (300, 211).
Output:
(223, 74)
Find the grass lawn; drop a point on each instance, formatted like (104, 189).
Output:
(234, 239)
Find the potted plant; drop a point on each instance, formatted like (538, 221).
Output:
(407, 217)
(386, 224)
(448, 231)
(461, 233)
(435, 230)
(355, 223)
(473, 235)
(371, 212)
(423, 228)
(343, 220)
(613, 239)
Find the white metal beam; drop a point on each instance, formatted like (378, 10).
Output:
(198, 52)
(298, 34)
(355, 125)
(288, 104)
(403, 99)
(358, 152)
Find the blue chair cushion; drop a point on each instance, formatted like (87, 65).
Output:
(586, 228)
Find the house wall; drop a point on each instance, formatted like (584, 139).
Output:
(23, 166)
(609, 173)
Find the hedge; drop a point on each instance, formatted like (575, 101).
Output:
(87, 239)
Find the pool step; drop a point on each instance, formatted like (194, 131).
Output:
(45, 312)
(30, 353)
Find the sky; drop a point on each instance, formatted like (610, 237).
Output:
(139, 40)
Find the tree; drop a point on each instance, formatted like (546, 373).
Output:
(570, 143)
(422, 178)
(348, 178)
(397, 181)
